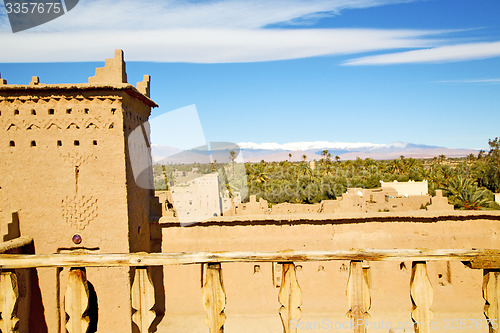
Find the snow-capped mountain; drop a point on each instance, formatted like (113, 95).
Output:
(255, 152)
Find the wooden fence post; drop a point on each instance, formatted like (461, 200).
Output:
(8, 299)
(214, 298)
(76, 301)
(358, 294)
(290, 298)
(491, 294)
(422, 295)
(143, 299)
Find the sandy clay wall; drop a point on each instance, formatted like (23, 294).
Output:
(252, 288)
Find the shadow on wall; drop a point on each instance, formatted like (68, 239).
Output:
(93, 310)
(37, 323)
(157, 277)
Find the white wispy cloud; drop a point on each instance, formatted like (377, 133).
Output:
(206, 45)
(223, 31)
(447, 53)
(479, 81)
(226, 14)
(217, 31)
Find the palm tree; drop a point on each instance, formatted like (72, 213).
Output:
(232, 157)
(304, 157)
(305, 171)
(465, 194)
(260, 177)
(289, 157)
(395, 167)
(324, 154)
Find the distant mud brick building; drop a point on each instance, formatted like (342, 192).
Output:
(65, 170)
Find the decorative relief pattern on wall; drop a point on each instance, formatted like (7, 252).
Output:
(79, 210)
(29, 99)
(76, 159)
(10, 125)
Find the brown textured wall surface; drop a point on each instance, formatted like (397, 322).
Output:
(252, 296)
(66, 174)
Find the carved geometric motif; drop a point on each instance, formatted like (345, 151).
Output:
(75, 159)
(79, 210)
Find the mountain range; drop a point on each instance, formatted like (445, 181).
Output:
(255, 152)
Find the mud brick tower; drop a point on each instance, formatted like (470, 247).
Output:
(66, 177)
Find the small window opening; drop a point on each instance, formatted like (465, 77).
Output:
(113, 111)
(33, 143)
(77, 143)
(94, 142)
(51, 111)
(68, 111)
(59, 143)
(12, 144)
(16, 112)
(33, 112)
(86, 111)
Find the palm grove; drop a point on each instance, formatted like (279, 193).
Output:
(468, 182)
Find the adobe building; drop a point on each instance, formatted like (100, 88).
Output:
(407, 189)
(67, 180)
(66, 174)
(390, 197)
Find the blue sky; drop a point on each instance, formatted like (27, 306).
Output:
(380, 71)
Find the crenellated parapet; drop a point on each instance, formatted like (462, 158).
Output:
(2, 81)
(112, 72)
(143, 86)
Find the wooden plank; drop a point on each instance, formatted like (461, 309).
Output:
(8, 298)
(290, 298)
(485, 262)
(143, 300)
(11, 261)
(358, 294)
(491, 294)
(15, 244)
(422, 295)
(76, 301)
(214, 299)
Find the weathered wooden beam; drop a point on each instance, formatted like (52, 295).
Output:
(143, 300)
(214, 299)
(15, 244)
(290, 298)
(8, 298)
(488, 261)
(11, 261)
(421, 295)
(358, 295)
(491, 294)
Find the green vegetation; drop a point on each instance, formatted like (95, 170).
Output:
(468, 182)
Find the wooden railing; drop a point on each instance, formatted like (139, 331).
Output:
(214, 296)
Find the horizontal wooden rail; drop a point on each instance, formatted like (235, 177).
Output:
(491, 257)
(15, 244)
